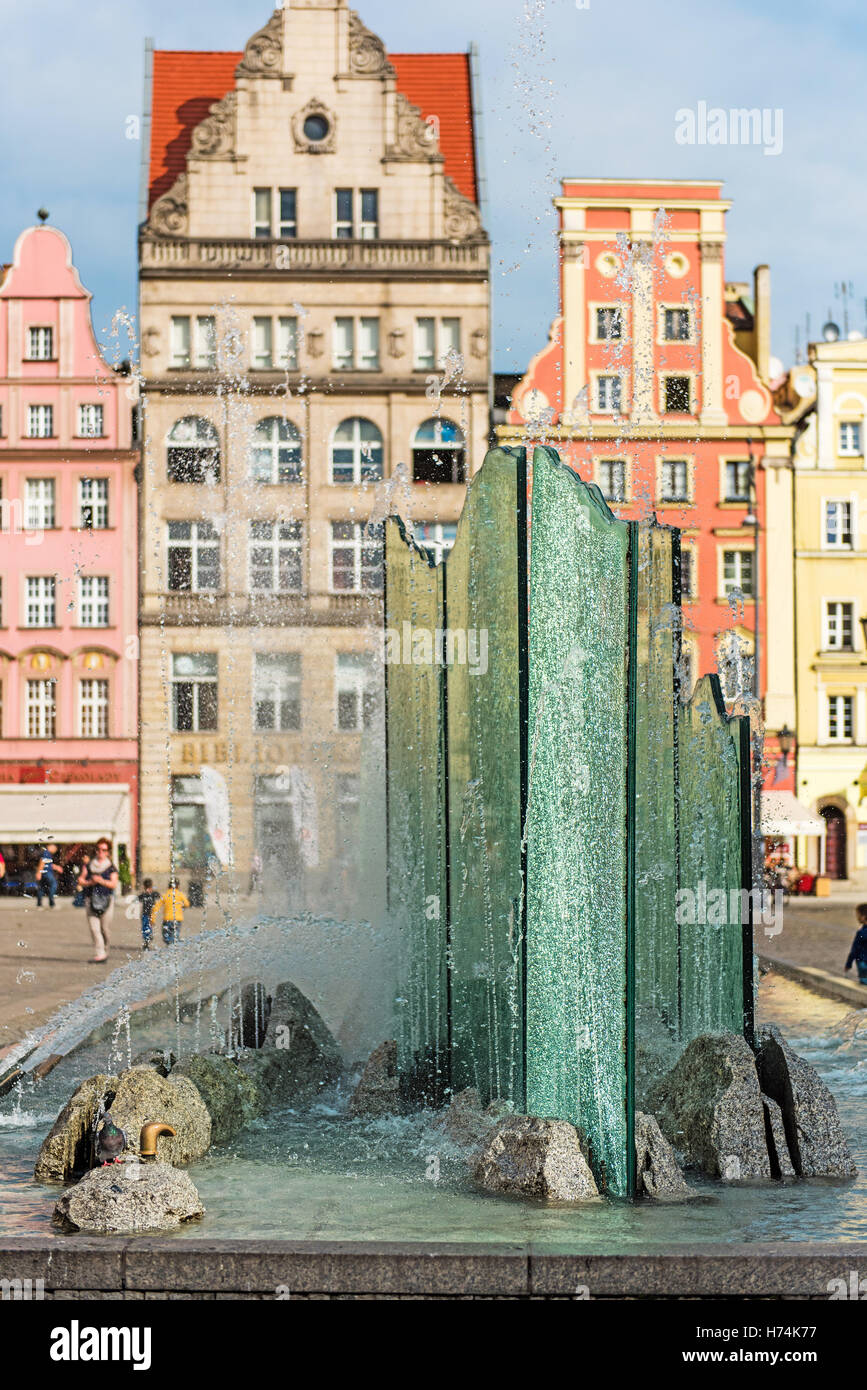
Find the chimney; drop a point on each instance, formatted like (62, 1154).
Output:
(762, 319)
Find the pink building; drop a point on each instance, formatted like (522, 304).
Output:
(68, 568)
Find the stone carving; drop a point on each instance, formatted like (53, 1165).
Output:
(169, 214)
(264, 51)
(415, 138)
(462, 220)
(367, 55)
(478, 342)
(712, 251)
(215, 135)
(303, 142)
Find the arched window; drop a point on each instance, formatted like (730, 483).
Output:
(438, 452)
(276, 451)
(193, 451)
(356, 452)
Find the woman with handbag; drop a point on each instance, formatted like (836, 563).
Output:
(99, 880)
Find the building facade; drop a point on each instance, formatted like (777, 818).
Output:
(827, 400)
(315, 326)
(654, 384)
(68, 566)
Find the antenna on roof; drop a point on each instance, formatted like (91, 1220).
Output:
(844, 291)
(797, 345)
(42, 214)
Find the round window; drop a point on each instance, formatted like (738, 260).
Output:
(316, 127)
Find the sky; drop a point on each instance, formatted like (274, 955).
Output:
(568, 88)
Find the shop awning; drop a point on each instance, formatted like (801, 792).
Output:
(783, 814)
(31, 814)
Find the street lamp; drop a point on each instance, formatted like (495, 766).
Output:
(786, 742)
(752, 519)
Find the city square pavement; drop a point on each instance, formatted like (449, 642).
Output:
(44, 953)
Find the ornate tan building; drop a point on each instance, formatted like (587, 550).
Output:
(314, 314)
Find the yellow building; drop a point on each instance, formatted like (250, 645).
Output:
(830, 573)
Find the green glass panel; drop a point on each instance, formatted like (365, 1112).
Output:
(710, 903)
(576, 815)
(416, 824)
(657, 625)
(485, 607)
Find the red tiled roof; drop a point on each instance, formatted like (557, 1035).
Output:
(186, 84)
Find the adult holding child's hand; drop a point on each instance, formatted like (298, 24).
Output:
(98, 881)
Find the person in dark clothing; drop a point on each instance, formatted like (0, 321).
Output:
(148, 899)
(46, 875)
(858, 953)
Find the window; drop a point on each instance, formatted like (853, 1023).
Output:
(194, 557)
(93, 503)
(93, 600)
(677, 395)
(676, 325)
(275, 557)
(850, 437)
(356, 698)
(41, 708)
(356, 557)
(841, 709)
(343, 220)
(687, 573)
(275, 456)
(612, 479)
(369, 214)
(206, 341)
(356, 452)
(608, 393)
(838, 525)
(277, 690)
(737, 481)
(436, 537)
(40, 344)
(40, 422)
(287, 344)
(434, 341)
(438, 452)
(180, 341)
(39, 511)
(288, 212)
(191, 842)
(348, 816)
(262, 355)
(194, 692)
(261, 212)
(738, 572)
(90, 421)
(193, 451)
(93, 708)
(839, 626)
(41, 600)
(356, 344)
(674, 482)
(609, 323)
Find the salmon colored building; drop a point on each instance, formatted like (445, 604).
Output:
(68, 567)
(655, 384)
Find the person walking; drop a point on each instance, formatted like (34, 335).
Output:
(99, 880)
(858, 953)
(46, 875)
(172, 904)
(148, 899)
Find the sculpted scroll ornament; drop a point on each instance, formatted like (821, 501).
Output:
(264, 51)
(215, 135)
(462, 221)
(367, 55)
(169, 214)
(415, 138)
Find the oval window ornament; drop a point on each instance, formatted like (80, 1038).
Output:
(316, 127)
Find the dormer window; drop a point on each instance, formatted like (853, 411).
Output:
(40, 344)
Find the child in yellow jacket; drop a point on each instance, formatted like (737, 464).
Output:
(171, 905)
